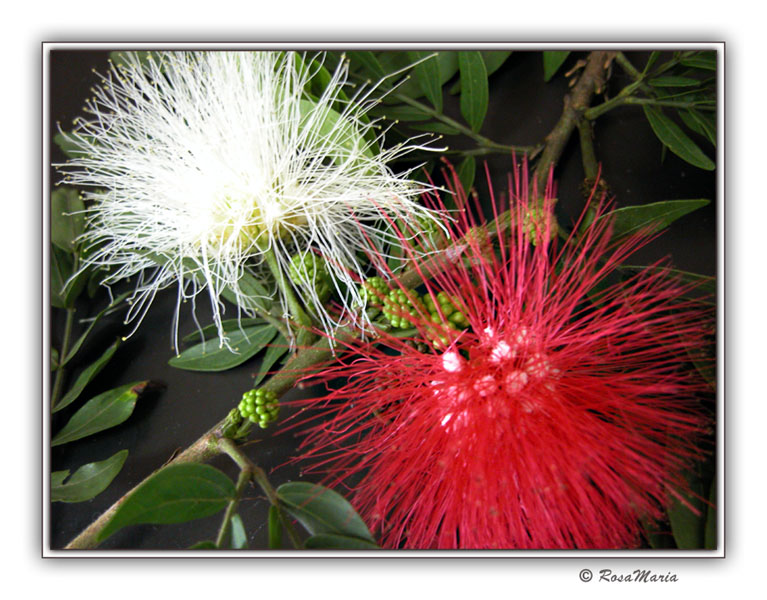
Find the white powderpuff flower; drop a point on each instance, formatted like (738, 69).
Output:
(204, 164)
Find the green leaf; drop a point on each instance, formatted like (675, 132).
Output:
(688, 519)
(710, 535)
(174, 494)
(331, 541)
(61, 269)
(274, 352)
(632, 219)
(672, 137)
(673, 81)
(67, 219)
(703, 60)
(211, 356)
(427, 75)
(58, 477)
(275, 528)
(54, 359)
(239, 537)
(654, 56)
(369, 63)
(323, 125)
(204, 545)
(552, 60)
(466, 172)
(66, 142)
(86, 377)
(254, 294)
(76, 347)
(321, 510)
(474, 88)
(88, 481)
(102, 412)
(493, 60)
(697, 122)
(402, 113)
(211, 331)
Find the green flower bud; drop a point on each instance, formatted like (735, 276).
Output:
(373, 290)
(259, 406)
(401, 309)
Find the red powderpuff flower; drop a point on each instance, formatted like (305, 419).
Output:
(562, 417)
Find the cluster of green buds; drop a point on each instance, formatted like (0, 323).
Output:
(450, 315)
(536, 220)
(444, 316)
(398, 306)
(308, 270)
(259, 406)
(373, 290)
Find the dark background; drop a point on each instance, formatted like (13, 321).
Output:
(523, 109)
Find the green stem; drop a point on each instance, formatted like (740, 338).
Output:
(300, 364)
(200, 451)
(58, 382)
(486, 143)
(256, 473)
(243, 480)
(296, 310)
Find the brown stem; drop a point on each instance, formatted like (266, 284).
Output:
(576, 102)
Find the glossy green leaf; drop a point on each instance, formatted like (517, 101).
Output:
(673, 81)
(672, 137)
(474, 88)
(174, 494)
(703, 60)
(552, 60)
(275, 528)
(321, 510)
(277, 349)
(76, 346)
(67, 219)
(88, 481)
(211, 356)
(229, 325)
(102, 412)
(632, 219)
(329, 541)
(238, 534)
(466, 172)
(427, 76)
(710, 535)
(86, 377)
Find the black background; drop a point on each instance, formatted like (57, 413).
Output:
(523, 109)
